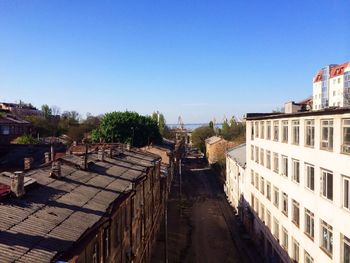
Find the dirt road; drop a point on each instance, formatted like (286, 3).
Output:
(200, 225)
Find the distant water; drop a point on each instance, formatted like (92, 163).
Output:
(192, 126)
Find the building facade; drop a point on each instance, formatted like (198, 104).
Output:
(235, 174)
(297, 193)
(331, 87)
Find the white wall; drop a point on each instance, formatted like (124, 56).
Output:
(331, 212)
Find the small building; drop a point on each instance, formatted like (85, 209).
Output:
(216, 148)
(95, 206)
(20, 109)
(235, 174)
(12, 127)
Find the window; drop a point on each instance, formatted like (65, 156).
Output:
(256, 154)
(327, 184)
(4, 129)
(257, 181)
(285, 131)
(275, 162)
(285, 204)
(106, 243)
(95, 253)
(262, 154)
(326, 237)
(275, 130)
(346, 192)
(262, 130)
(262, 185)
(346, 249)
(327, 135)
(276, 197)
(252, 177)
(268, 130)
(296, 213)
(268, 190)
(310, 176)
(256, 129)
(276, 229)
(296, 171)
(252, 132)
(295, 250)
(295, 132)
(268, 159)
(256, 206)
(284, 238)
(262, 212)
(285, 166)
(346, 136)
(309, 223)
(268, 219)
(252, 152)
(310, 133)
(308, 258)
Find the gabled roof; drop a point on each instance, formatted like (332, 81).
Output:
(338, 70)
(238, 154)
(318, 76)
(213, 139)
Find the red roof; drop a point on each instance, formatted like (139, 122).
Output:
(4, 190)
(338, 70)
(318, 77)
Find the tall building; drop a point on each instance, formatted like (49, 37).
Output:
(331, 87)
(297, 190)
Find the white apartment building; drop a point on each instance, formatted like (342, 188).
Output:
(298, 185)
(331, 87)
(235, 174)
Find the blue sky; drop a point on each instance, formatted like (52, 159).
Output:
(197, 59)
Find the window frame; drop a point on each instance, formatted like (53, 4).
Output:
(276, 131)
(324, 191)
(345, 199)
(327, 144)
(345, 147)
(296, 208)
(296, 172)
(295, 127)
(326, 244)
(307, 177)
(309, 223)
(285, 127)
(310, 130)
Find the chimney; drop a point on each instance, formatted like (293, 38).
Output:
(17, 183)
(110, 152)
(47, 157)
(101, 154)
(52, 153)
(28, 163)
(84, 158)
(56, 169)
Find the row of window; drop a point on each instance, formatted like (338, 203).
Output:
(263, 157)
(271, 131)
(281, 233)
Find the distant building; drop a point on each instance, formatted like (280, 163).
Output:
(12, 127)
(20, 109)
(331, 87)
(215, 148)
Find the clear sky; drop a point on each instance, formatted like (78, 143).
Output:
(194, 58)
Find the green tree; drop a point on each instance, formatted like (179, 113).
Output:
(46, 111)
(26, 139)
(127, 127)
(199, 136)
(160, 120)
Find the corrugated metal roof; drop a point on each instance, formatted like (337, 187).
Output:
(238, 154)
